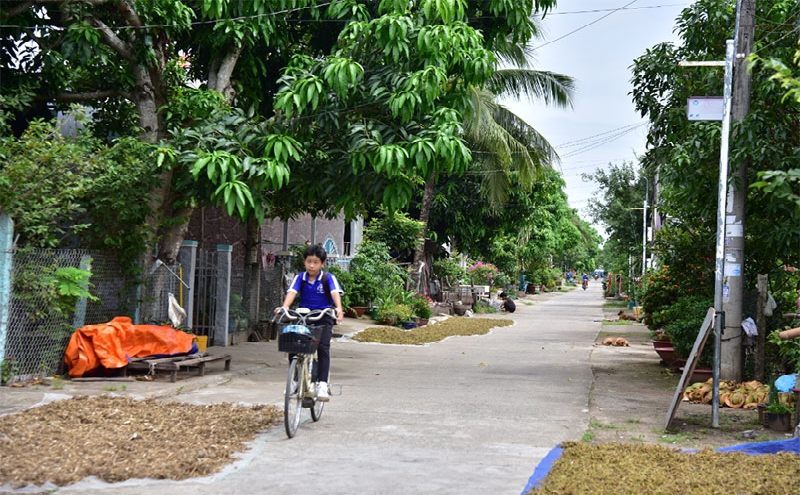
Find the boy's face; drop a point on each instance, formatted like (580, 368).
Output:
(313, 265)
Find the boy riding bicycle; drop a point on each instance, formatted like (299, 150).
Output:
(318, 290)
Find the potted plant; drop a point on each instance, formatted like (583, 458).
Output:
(778, 415)
(393, 313)
(363, 290)
(421, 306)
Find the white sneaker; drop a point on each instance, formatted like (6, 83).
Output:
(322, 392)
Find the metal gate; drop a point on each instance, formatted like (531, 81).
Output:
(205, 294)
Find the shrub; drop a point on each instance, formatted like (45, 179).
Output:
(683, 322)
(346, 281)
(449, 272)
(664, 287)
(421, 305)
(482, 273)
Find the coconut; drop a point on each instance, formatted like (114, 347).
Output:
(752, 385)
(752, 400)
(735, 399)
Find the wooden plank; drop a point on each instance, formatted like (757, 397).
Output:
(103, 379)
(688, 369)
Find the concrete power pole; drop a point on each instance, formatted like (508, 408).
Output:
(733, 286)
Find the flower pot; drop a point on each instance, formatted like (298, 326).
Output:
(421, 322)
(667, 355)
(779, 421)
(762, 414)
(699, 375)
(658, 344)
(408, 325)
(356, 311)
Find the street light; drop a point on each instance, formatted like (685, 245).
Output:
(644, 226)
(719, 318)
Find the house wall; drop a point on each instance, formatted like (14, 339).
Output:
(278, 236)
(212, 226)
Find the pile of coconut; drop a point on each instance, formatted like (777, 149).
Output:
(745, 395)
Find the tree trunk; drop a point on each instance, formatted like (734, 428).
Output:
(252, 272)
(221, 70)
(424, 216)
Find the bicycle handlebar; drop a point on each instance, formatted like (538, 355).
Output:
(308, 315)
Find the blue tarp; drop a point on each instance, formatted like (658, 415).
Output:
(756, 448)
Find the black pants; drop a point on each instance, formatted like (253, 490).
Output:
(323, 370)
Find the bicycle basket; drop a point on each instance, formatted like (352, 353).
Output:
(298, 339)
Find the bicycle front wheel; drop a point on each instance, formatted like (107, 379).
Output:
(293, 398)
(316, 409)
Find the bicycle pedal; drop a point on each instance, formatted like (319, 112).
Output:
(335, 388)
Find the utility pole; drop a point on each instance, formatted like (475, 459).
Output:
(731, 341)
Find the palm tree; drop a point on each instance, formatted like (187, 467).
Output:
(500, 141)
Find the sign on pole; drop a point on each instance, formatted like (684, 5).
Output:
(705, 107)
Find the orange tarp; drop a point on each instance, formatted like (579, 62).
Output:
(112, 344)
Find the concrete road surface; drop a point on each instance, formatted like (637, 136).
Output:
(470, 415)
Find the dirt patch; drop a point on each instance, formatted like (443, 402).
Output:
(117, 438)
(633, 391)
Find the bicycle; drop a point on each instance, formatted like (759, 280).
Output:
(301, 340)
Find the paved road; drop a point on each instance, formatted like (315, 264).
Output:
(470, 415)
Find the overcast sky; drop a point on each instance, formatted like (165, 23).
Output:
(595, 42)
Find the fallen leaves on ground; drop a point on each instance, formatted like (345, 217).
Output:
(118, 438)
(625, 468)
(430, 333)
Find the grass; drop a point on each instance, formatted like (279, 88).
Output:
(587, 437)
(616, 304)
(674, 438)
(619, 323)
(597, 424)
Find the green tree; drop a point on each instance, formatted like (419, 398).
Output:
(78, 188)
(686, 154)
(139, 65)
(617, 205)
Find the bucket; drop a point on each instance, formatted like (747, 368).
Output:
(202, 342)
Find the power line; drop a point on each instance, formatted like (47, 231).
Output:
(587, 24)
(595, 11)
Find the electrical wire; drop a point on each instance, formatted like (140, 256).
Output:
(586, 25)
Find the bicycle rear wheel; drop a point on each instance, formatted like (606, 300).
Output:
(317, 407)
(293, 398)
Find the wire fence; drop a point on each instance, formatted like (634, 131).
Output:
(42, 317)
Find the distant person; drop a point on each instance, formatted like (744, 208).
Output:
(507, 304)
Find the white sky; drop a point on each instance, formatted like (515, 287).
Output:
(595, 42)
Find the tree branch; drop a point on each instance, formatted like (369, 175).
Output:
(112, 40)
(127, 10)
(14, 11)
(90, 95)
(23, 6)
